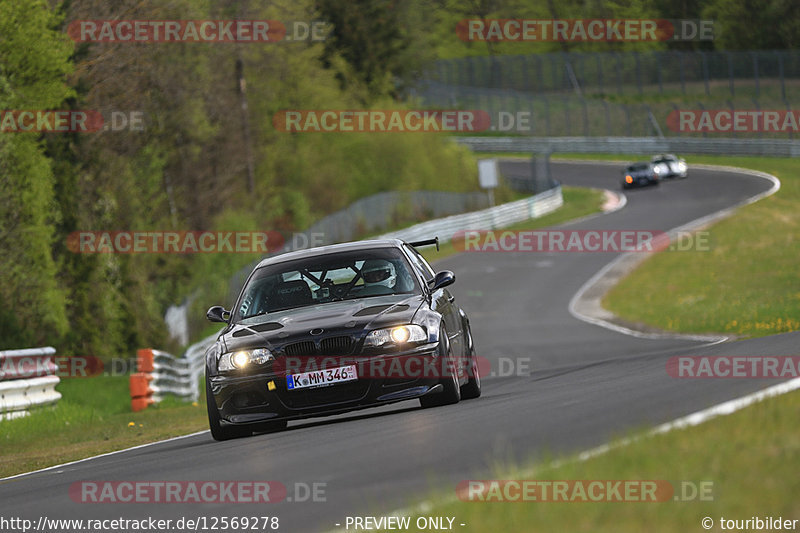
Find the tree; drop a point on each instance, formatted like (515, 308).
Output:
(34, 61)
(383, 42)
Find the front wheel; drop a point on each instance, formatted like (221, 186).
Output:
(219, 431)
(472, 388)
(452, 392)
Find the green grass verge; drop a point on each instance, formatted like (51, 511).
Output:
(747, 457)
(93, 417)
(745, 285)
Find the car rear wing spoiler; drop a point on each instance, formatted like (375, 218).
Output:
(427, 242)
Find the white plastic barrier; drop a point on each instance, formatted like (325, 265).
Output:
(161, 374)
(27, 380)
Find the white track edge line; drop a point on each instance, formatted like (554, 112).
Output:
(115, 452)
(715, 216)
(776, 186)
(693, 419)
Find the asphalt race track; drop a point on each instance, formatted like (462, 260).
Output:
(587, 385)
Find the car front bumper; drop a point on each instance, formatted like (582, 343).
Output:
(382, 379)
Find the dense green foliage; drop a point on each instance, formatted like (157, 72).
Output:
(187, 168)
(202, 160)
(33, 60)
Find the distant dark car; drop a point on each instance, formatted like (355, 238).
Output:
(669, 166)
(333, 329)
(639, 175)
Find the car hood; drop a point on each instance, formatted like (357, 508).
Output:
(344, 316)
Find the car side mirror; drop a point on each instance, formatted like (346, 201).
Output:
(442, 279)
(218, 313)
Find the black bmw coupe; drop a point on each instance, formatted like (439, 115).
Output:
(334, 329)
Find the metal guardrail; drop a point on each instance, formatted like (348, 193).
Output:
(196, 356)
(372, 214)
(28, 379)
(634, 145)
(376, 212)
(491, 218)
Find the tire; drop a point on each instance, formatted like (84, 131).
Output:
(219, 431)
(452, 392)
(472, 388)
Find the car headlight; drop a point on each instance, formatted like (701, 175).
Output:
(244, 358)
(396, 335)
(682, 165)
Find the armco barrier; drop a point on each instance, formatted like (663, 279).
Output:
(27, 380)
(491, 218)
(160, 374)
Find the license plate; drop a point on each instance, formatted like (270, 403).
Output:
(321, 378)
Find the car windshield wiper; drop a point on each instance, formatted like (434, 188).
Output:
(248, 317)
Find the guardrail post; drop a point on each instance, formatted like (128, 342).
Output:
(704, 60)
(681, 68)
(755, 73)
(599, 72)
(730, 73)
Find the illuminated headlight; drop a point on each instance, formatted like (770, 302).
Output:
(396, 335)
(682, 165)
(244, 358)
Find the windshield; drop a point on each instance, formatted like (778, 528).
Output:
(641, 166)
(325, 278)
